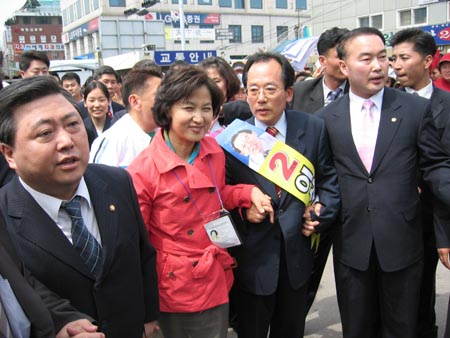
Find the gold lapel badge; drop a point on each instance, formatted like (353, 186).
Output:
(394, 119)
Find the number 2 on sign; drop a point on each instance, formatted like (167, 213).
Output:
(286, 168)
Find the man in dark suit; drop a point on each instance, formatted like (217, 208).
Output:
(312, 95)
(275, 261)
(309, 97)
(78, 228)
(380, 139)
(412, 53)
(45, 311)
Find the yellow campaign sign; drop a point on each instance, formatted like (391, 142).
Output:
(291, 171)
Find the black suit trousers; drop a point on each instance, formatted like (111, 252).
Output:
(284, 311)
(373, 301)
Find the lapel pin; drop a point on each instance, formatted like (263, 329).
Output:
(394, 119)
(112, 208)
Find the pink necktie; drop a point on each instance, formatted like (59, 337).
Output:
(366, 146)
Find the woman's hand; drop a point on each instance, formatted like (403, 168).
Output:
(260, 208)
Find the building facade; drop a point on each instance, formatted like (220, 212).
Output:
(232, 28)
(388, 16)
(36, 26)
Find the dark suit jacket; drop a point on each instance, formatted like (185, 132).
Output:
(258, 257)
(90, 128)
(308, 95)
(125, 295)
(84, 113)
(46, 312)
(382, 207)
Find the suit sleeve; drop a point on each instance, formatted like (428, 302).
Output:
(148, 263)
(61, 311)
(327, 187)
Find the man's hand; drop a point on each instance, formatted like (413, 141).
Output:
(260, 208)
(444, 256)
(150, 328)
(81, 328)
(309, 224)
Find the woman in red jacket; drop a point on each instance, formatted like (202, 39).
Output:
(180, 182)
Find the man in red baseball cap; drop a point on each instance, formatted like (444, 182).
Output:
(444, 67)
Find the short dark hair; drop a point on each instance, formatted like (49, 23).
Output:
(353, 34)
(135, 82)
(93, 85)
(105, 70)
(231, 79)
(288, 73)
(71, 76)
(20, 93)
(179, 85)
(423, 43)
(234, 137)
(329, 39)
(26, 58)
(144, 63)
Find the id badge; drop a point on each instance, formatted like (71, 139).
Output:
(221, 230)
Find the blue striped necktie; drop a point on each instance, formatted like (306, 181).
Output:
(84, 242)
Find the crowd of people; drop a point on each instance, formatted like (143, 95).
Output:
(115, 193)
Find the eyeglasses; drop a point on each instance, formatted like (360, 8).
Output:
(268, 91)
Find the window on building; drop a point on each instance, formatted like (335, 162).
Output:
(117, 3)
(256, 4)
(414, 16)
(78, 14)
(375, 21)
(257, 34)
(225, 3)
(237, 33)
(43, 39)
(282, 33)
(205, 2)
(53, 38)
(26, 20)
(239, 4)
(71, 14)
(87, 7)
(175, 2)
(64, 16)
(43, 20)
(32, 38)
(300, 5)
(95, 4)
(364, 21)
(281, 3)
(21, 38)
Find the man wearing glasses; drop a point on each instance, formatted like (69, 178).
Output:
(275, 260)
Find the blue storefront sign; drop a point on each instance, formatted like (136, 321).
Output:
(441, 33)
(192, 57)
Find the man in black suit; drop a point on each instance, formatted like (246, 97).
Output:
(275, 261)
(78, 228)
(380, 139)
(412, 53)
(45, 311)
(309, 97)
(312, 95)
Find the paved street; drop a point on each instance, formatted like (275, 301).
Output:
(323, 320)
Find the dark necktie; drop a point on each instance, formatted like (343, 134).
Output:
(333, 95)
(274, 131)
(5, 329)
(85, 243)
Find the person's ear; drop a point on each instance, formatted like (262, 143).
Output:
(8, 153)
